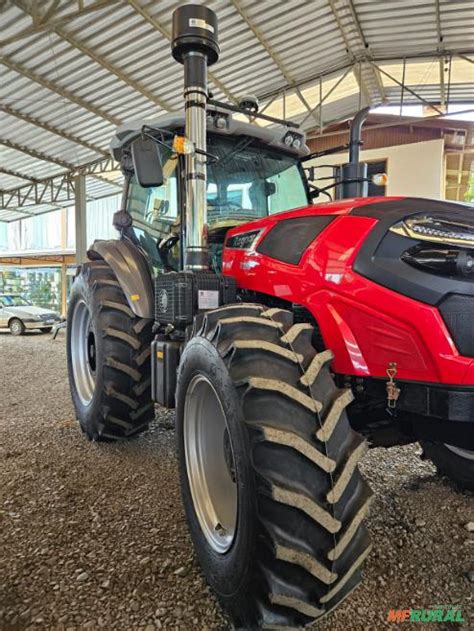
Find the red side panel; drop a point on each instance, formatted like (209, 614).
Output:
(366, 325)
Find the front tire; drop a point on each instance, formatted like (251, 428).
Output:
(286, 544)
(455, 463)
(46, 329)
(108, 355)
(16, 327)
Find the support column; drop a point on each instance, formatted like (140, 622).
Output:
(81, 218)
(63, 289)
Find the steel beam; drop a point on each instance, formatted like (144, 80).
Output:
(449, 81)
(407, 121)
(439, 31)
(65, 94)
(27, 195)
(38, 192)
(402, 95)
(47, 190)
(374, 60)
(461, 56)
(50, 19)
(80, 207)
(442, 87)
(75, 43)
(405, 87)
(23, 212)
(17, 174)
(39, 155)
(54, 130)
(272, 54)
(358, 49)
(35, 182)
(325, 97)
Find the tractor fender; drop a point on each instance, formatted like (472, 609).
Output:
(132, 272)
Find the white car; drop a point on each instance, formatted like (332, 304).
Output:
(18, 314)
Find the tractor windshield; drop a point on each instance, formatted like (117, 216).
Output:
(249, 181)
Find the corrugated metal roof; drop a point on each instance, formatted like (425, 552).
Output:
(69, 77)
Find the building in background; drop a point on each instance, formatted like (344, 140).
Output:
(37, 254)
(425, 158)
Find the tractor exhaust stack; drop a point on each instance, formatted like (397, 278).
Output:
(195, 45)
(353, 175)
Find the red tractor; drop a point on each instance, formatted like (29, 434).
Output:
(288, 336)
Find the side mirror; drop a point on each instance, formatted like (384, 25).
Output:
(147, 163)
(270, 188)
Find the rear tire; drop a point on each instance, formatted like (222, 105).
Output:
(108, 355)
(16, 327)
(456, 464)
(296, 546)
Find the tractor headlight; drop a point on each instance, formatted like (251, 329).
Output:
(221, 122)
(292, 139)
(446, 248)
(443, 261)
(437, 229)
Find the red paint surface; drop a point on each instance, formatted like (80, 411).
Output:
(366, 325)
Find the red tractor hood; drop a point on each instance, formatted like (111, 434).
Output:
(339, 207)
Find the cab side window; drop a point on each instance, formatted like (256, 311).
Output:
(154, 210)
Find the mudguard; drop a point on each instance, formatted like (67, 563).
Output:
(131, 270)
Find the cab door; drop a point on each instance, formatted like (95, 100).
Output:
(155, 212)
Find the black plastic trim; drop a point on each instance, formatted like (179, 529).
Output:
(289, 238)
(437, 401)
(379, 257)
(395, 209)
(458, 314)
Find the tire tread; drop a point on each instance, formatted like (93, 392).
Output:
(125, 407)
(315, 547)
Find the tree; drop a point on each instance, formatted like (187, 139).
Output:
(469, 196)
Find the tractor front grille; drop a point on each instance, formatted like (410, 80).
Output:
(458, 314)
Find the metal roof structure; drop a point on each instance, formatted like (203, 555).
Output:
(72, 70)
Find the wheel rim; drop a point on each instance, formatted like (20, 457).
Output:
(83, 353)
(210, 464)
(15, 327)
(459, 451)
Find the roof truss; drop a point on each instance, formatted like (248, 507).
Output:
(55, 190)
(57, 16)
(358, 49)
(46, 15)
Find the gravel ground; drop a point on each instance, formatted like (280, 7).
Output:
(93, 536)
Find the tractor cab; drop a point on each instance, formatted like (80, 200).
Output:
(252, 172)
